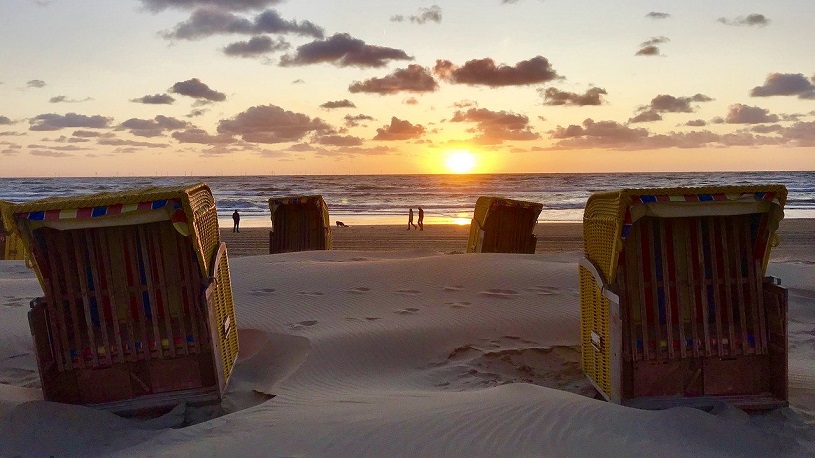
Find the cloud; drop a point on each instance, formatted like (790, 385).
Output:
(208, 21)
(431, 14)
(196, 89)
(800, 134)
(743, 114)
(4, 121)
(656, 15)
(495, 127)
(414, 78)
(665, 103)
(485, 72)
(399, 130)
(59, 148)
(553, 96)
(157, 99)
(35, 83)
(411, 101)
(397, 18)
(344, 103)
(153, 127)
(354, 121)
(234, 5)
(696, 123)
(750, 20)
(646, 116)
(62, 98)
(52, 121)
(655, 41)
(271, 124)
(120, 142)
(339, 140)
(256, 46)
(196, 112)
(785, 84)
(648, 51)
(201, 136)
(602, 133)
(354, 151)
(343, 50)
(49, 153)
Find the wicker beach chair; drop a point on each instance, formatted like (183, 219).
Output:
(503, 226)
(675, 308)
(137, 312)
(299, 223)
(11, 246)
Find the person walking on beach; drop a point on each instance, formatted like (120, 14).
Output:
(421, 219)
(410, 219)
(237, 219)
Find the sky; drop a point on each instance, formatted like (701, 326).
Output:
(263, 87)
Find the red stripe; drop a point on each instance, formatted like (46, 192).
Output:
(691, 198)
(663, 198)
(145, 206)
(84, 212)
(115, 209)
(52, 214)
(719, 196)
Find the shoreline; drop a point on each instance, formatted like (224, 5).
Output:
(797, 237)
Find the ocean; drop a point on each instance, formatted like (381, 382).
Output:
(385, 199)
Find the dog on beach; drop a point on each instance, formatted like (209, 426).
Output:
(341, 224)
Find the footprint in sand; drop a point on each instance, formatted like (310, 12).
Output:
(262, 291)
(458, 305)
(409, 292)
(11, 301)
(454, 288)
(306, 293)
(407, 311)
(500, 293)
(359, 290)
(302, 324)
(544, 290)
(367, 318)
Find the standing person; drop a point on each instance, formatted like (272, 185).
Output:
(410, 219)
(237, 219)
(421, 219)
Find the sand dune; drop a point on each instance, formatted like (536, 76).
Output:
(383, 353)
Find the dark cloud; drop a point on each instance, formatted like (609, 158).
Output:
(298, 81)
(750, 20)
(656, 15)
(665, 103)
(86, 134)
(495, 127)
(49, 153)
(465, 104)
(153, 127)
(485, 72)
(800, 134)
(743, 114)
(354, 121)
(301, 147)
(431, 14)
(202, 137)
(52, 121)
(785, 84)
(399, 130)
(397, 18)
(553, 96)
(343, 50)
(271, 124)
(196, 89)
(120, 142)
(646, 116)
(35, 83)
(602, 133)
(256, 46)
(344, 103)
(696, 123)
(765, 129)
(234, 5)
(205, 22)
(157, 99)
(196, 112)
(648, 51)
(65, 99)
(655, 41)
(411, 101)
(414, 78)
(339, 140)
(4, 121)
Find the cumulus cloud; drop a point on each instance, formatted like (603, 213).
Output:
(743, 114)
(271, 124)
(121, 142)
(399, 130)
(339, 140)
(646, 116)
(356, 120)
(233, 5)
(431, 14)
(343, 50)
(696, 123)
(256, 46)
(4, 120)
(650, 48)
(153, 127)
(207, 21)
(553, 96)
(485, 72)
(665, 103)
(196, 89)
(750, 20)
(201, 136)
(35, 83)
(157, 99)
(786, 84)
(52, 121)
(414, 78)
(411, 101)
(65, 99)
(344, 103)
(657, 15)
(49, 153)
(495, 127)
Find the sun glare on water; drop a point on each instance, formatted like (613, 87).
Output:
(460, 161)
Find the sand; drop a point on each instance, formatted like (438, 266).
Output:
(403, 349)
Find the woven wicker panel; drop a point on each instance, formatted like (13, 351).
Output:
(225, 311)
(594, 316)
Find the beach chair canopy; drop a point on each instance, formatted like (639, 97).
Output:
(11, 245)
(299, 223)
(502, 225)
(138, 301)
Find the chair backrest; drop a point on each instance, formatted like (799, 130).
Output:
(503, 226)
(300, 223)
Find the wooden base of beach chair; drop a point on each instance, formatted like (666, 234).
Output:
(297, 228)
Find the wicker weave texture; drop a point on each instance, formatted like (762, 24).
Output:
(225, 313)
(594, 310)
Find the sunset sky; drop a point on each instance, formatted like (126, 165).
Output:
(205, 87)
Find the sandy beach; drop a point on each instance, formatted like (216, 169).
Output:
(390, 346)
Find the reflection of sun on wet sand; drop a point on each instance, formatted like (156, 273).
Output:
(403, 348)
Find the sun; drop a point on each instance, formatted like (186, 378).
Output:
(460, 161)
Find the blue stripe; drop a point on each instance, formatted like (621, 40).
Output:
(37, 216)
(158, 204)
(705, 198)
(648, 199)
(99, 211)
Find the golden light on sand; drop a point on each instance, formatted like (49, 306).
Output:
(460, 161)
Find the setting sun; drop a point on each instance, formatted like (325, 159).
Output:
(460, 161)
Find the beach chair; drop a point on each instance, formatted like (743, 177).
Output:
(675, 308)
(503, 226)
(137, 313)
(11, 246)
(299, 223)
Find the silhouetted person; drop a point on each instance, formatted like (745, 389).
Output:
(421, 219)
(236, 218)
(410, 219)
